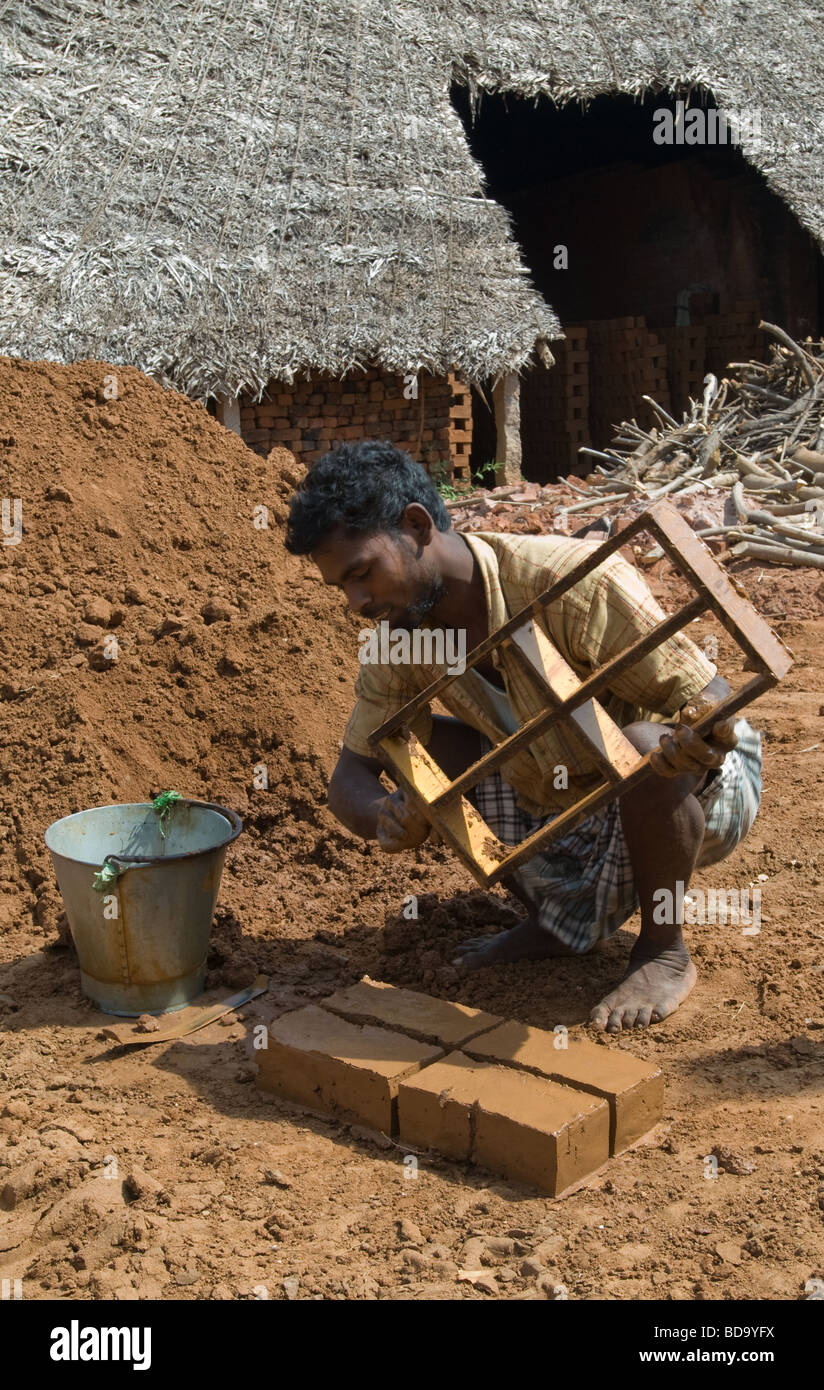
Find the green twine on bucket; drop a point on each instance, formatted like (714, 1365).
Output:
(163, 805)
(107, 874)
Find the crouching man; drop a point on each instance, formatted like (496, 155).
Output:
(375, 526)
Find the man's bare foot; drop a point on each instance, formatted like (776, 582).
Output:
(652, 988)
(527, 941)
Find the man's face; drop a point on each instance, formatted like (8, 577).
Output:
(385, 576)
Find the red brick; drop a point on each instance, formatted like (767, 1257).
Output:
(329, 1064)
(407, 1011)
(514, 1123)
(634, 1089)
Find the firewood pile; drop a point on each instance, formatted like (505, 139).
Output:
(745, 464)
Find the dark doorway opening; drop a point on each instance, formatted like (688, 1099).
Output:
(659, 258)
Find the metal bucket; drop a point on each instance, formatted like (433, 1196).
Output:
(142, 942)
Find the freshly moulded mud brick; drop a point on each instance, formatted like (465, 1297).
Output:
(510, 1121)
(325, 1062)
(419, 1015)
(634, 1089)
(435, 1107)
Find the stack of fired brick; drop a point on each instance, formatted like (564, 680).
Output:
(606, 367)
(627, 362)
(733, 333)
(555, 407)
(686, 360)
(429, 417)
(697, 348)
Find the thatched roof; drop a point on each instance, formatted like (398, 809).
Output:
(221, 192)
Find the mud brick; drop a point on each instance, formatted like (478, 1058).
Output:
(512, 1122)
(408, 1011)
(317, 1059)
(634, 1089)
(255, 436)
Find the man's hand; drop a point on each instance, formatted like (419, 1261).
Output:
(400, 825)
(683, 750)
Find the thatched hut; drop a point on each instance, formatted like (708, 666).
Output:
(284, 208)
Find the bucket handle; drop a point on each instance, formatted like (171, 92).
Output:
(117, 864)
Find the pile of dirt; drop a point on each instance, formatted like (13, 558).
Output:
(154, 632)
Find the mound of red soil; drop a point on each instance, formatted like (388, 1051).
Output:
(154, 632)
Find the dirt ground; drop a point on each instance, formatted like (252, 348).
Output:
(161, 1171)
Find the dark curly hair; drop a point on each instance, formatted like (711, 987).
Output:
(362, 487)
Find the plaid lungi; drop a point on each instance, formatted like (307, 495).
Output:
(583, 885)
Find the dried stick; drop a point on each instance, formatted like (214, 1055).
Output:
(793, 347)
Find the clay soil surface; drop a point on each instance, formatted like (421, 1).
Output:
(161, 1171)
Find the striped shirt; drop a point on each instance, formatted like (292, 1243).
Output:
(590, 624)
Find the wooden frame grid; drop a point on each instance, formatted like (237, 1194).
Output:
(574, 702)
